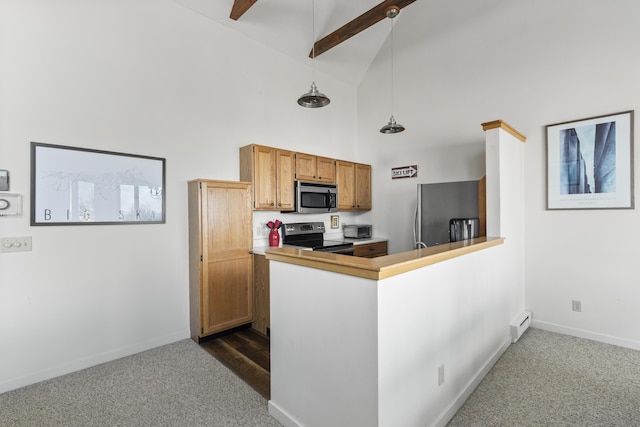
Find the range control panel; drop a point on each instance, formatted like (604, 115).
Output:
(297, 228)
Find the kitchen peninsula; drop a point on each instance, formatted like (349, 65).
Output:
(380, 267)
(403, 339)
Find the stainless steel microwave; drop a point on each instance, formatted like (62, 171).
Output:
(315, 197)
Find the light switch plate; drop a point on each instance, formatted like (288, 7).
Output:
(15, 244)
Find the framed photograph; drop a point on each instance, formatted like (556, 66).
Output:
(335, 221)
(74, 186)
(590, 163)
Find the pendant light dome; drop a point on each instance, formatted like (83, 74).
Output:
(392, 126)
(314, 98)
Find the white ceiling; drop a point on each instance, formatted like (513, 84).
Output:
(287, 26)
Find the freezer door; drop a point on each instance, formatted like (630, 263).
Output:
(440, 202)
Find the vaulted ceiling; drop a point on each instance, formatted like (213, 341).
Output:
(347, 36)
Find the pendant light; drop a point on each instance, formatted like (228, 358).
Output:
(392, 126)
(313, 98)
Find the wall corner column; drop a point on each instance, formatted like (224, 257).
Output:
(504, 157)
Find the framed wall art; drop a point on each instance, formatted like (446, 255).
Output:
(590, 163)
(73, 186)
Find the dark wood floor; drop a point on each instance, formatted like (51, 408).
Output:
(245, 352)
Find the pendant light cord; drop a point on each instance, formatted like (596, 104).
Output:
(314, 98)
(392, 74)
(313, 40)
(392, 126)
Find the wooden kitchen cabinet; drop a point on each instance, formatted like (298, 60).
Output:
(363, 186)
(326, 169)
(271, 172)
(261, 294)
(354, 185)
(345, 179)
(370, 250)
(220, 259)
(315, 168)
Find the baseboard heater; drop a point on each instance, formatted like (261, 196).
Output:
(519, 325)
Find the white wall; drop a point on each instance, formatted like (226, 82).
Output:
(459, 64)
(146, 77)
(324, 348)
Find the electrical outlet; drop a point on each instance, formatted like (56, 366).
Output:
(576, 305)
(261, 230)
(440, 375)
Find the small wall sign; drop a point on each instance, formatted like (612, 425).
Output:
(404, 172)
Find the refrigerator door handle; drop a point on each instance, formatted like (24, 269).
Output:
(416, 227)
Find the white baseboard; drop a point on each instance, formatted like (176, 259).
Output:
(455, 406)
(282, 416)
(89, 361)
(581, 333)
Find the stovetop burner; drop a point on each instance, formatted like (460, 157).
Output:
(310, 235)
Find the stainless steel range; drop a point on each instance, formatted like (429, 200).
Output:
(310, 235)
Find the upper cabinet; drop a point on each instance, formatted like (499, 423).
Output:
(363, 186)
(315, 168)
(354, 185)
(271, 172)
(345, 178)
(285, 175)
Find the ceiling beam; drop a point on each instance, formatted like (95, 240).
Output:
(240, 7)
(361, 23)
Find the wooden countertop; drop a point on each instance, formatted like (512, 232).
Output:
(384, 266)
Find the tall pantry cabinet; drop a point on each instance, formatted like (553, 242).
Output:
(220, 259)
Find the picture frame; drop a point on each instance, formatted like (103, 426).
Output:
(590, 163)
(335, 221)
(80, 186)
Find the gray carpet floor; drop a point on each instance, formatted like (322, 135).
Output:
(548, 379)
(545, 379)
(179, 384)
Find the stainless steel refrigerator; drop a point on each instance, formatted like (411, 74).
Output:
(446, 211)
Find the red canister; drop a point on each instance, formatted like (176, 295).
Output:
(274, 238)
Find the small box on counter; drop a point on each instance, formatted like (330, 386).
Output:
(354, 231)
